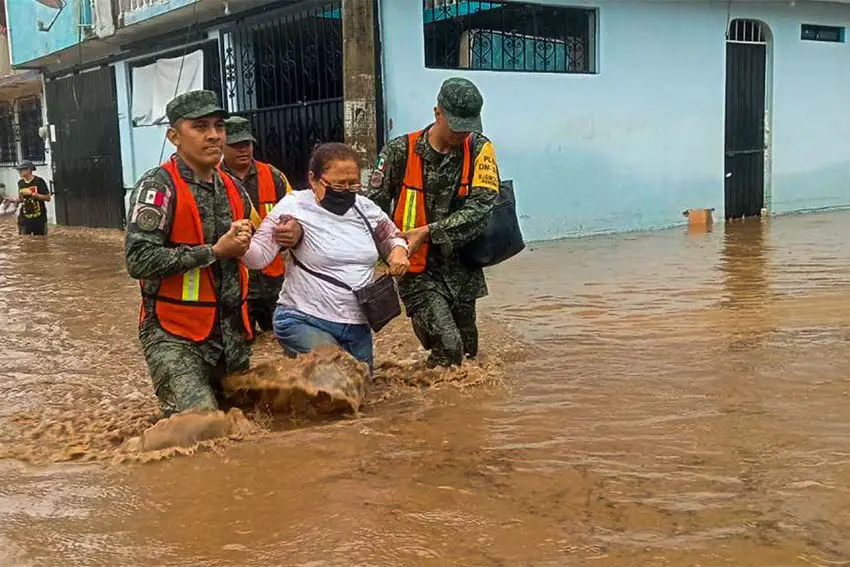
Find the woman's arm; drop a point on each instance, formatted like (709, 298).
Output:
(388, 235)
(263, 248)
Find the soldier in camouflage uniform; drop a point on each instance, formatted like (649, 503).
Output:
(186, 373)
(441, 299)
(239, 162)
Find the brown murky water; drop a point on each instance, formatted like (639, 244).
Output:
(684, 402)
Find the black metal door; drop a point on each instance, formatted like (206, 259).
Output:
(745, 140)
(283, 71)
(87, 176)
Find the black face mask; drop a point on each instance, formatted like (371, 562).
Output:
(337, 202)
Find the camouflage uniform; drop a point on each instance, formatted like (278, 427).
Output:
(441, 300)
(186, 374)
(263, 290)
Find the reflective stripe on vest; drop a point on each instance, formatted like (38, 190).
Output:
(186, 304)
(267, 199)
(192, 285)
(410, 205)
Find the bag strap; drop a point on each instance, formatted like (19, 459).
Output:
(329, 279)
(371, 230)
(332, 280)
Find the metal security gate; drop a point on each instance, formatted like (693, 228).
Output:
(87, 179)
(746, 64)
(283, 71)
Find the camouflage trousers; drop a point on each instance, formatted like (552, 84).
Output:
(263, 293)
(184, 380)
(261, 312)
(447, 328)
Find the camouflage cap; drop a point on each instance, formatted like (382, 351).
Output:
(193, 104)
(461, 102)
(238, 130)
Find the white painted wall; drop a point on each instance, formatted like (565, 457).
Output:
(635, 145)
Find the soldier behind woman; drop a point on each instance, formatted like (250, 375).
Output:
(265, 185)
(189, 227)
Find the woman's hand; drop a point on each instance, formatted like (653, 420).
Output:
(398, 262)
(287, 232)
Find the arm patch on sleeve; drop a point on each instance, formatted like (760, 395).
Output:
(486, 173)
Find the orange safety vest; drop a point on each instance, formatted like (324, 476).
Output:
(186, 304)
(410, 204)
(267, 197)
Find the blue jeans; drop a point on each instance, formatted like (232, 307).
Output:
(299, 333)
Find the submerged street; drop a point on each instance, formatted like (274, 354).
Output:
(680, 399)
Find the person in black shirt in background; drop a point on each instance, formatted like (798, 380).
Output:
(33, 194)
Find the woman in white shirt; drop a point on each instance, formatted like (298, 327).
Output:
(337, 243)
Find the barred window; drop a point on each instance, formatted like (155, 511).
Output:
(509, 36)
(8, 144)
(29, 121)
(811, 32)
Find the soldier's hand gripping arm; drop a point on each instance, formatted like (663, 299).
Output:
(468, 221)
(146, 249)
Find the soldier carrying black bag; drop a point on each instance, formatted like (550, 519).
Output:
(441, 186)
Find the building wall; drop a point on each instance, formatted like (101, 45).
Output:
(28, 43)
(810, 118)
(142, 147)
(636, 144)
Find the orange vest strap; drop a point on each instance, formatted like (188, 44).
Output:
(267, 197)
(265, 185)
(466, 175)
(413, 175)
(183, 194)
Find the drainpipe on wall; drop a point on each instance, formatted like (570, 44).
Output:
(358, 56)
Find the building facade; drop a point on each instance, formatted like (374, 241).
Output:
(22, 120)
(111, 66)
(607, 115)
(614, 116)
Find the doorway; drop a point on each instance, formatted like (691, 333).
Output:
(86, 152)
(746, 90)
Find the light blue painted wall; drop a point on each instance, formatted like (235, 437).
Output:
(811, 108)
(635, 145)
(28, 43)
(156, 8)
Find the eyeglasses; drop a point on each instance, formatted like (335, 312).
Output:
(354, 188)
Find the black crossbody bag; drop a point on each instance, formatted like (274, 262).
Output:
(379, 299)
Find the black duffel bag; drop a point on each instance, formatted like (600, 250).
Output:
(502, 237)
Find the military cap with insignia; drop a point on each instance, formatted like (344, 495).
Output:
(194, 104)
(238, 130)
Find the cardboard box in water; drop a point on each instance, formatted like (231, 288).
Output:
(700, 217)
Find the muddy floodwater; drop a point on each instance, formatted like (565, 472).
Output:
(684, 399)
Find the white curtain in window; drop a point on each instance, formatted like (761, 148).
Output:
(156, 84)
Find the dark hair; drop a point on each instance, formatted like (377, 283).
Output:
(324, 154)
